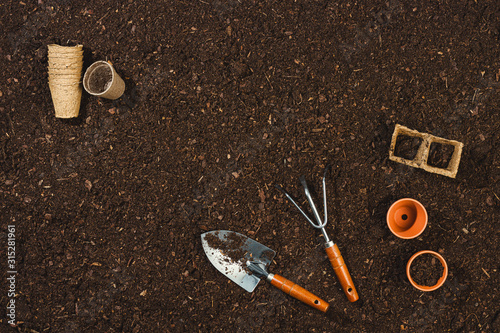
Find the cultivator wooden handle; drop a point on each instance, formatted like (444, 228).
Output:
(340, 268)
(298, 292)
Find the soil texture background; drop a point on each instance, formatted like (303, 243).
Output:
(226, 99)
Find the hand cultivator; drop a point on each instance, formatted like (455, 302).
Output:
(332, 250)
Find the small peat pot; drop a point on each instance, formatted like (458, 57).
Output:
(101, 80)
(425, 274)
(407, 218)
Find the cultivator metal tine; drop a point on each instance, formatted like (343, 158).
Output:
(318, 224)
(282, 190)
(313, 206)
(324, 193)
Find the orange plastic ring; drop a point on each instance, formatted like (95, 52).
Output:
(441, 280)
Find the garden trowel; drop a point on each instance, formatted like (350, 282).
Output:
(245, 262)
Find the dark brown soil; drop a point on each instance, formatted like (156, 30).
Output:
(407, 146)
(426, 270)
(215, 242)
(225, 99)
(100, 79)
(231, 246)
(440, 155)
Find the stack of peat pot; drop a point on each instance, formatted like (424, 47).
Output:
(65, 71)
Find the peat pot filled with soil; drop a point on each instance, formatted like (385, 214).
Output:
(101, 80)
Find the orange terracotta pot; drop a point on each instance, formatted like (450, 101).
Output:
(407, 218)
(441, 280)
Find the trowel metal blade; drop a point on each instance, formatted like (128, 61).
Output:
(229, 252)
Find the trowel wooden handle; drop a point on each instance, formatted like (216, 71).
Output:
(342, 272)
(298, 292)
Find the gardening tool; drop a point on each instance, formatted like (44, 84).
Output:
(245, 262)
(332, 250)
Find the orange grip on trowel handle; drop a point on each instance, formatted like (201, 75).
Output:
(298, 292)
(338, 264)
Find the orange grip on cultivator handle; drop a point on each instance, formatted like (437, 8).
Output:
(342, 272)
(298, 292)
